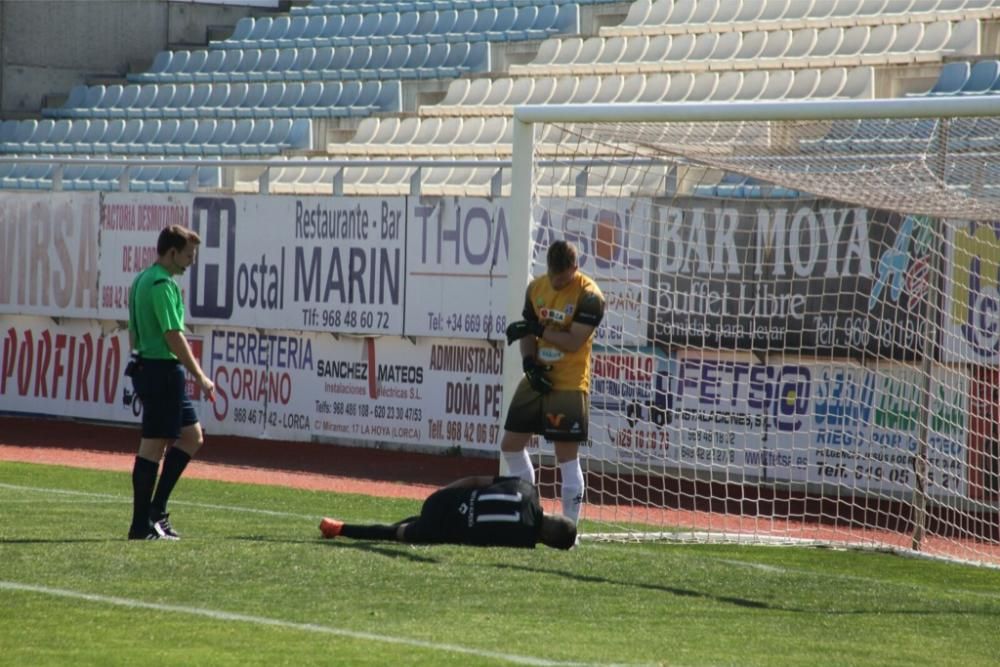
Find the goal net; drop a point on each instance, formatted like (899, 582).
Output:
(802, 337)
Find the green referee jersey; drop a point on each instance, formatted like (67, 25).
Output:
(155, 307)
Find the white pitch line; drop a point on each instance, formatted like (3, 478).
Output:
(278, 623)
(123, 499)
(848, 577)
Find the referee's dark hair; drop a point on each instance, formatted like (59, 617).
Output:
(561, 256)
(176, 237)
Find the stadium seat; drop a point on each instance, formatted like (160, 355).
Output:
(295, 29)
(204, 131)
(875, 49)
(108, 101)
(242, 30)
(261, 65)
(324, 106)
(57, 134)
(269, 36)
(673, 87)
(218, 95)
(246, 100)
(192, 65)
(952, 78)
(982, 77)
(752, 85)
(223, 133)
(139, 99)
(778, 85)
(200, 92)
(127, 137)
(236, 138)
(112, 134)
(154, 136)
(752, 45)
(175, 141)
(282, 98)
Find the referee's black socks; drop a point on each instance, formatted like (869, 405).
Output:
(174, 463)
(143, 481)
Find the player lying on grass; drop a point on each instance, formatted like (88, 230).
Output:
(478, 511)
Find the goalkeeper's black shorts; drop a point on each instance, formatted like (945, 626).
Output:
(560, 415)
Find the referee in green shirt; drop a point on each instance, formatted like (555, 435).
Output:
(160, 355)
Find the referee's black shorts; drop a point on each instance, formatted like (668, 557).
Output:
(166, 408)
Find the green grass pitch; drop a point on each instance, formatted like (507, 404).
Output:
(251, 583)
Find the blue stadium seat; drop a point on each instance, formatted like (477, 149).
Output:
(293, 95)
(952, 78)
(153, 137)
(504, 22)
(242, 30)
(311, 94)
(225, 128)
(176, 142)
(325, 105)
(71, 142)
(234, 142)
(276, 31)
(112, 135)
(200, 93)
(296, 29)
(133, 108)
(349, 95)
(235, 94)
(281, 66)
(419, 53)
(20, 135)
(8, 130)
(97, 128)
(982, 77)
(243, 99)
(57, 135)
(266, 62)
(218, 95)
(162, 99)
(248, 63)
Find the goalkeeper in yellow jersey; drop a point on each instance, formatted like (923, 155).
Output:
(562, 310)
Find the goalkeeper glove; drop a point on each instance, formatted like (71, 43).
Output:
(536, 375)
(521, 328)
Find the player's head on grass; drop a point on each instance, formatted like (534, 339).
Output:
(558, 531)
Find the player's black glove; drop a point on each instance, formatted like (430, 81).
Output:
(536, 375)
(521, 328)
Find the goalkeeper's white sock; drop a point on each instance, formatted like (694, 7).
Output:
(519, 465)
(572, 488)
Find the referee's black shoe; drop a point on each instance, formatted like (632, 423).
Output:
(149, 532)
(161, 525)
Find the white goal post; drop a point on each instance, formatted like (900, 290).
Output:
(803, 334)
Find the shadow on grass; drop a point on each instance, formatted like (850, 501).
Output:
(382, 548)
(62, 540)
(684, 592)
(745, 603)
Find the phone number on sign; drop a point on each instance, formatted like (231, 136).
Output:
(273, 419)
(388, 412)
(347, 319)
(474, 323)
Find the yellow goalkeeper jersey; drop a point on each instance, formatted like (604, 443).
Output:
(579, 301)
